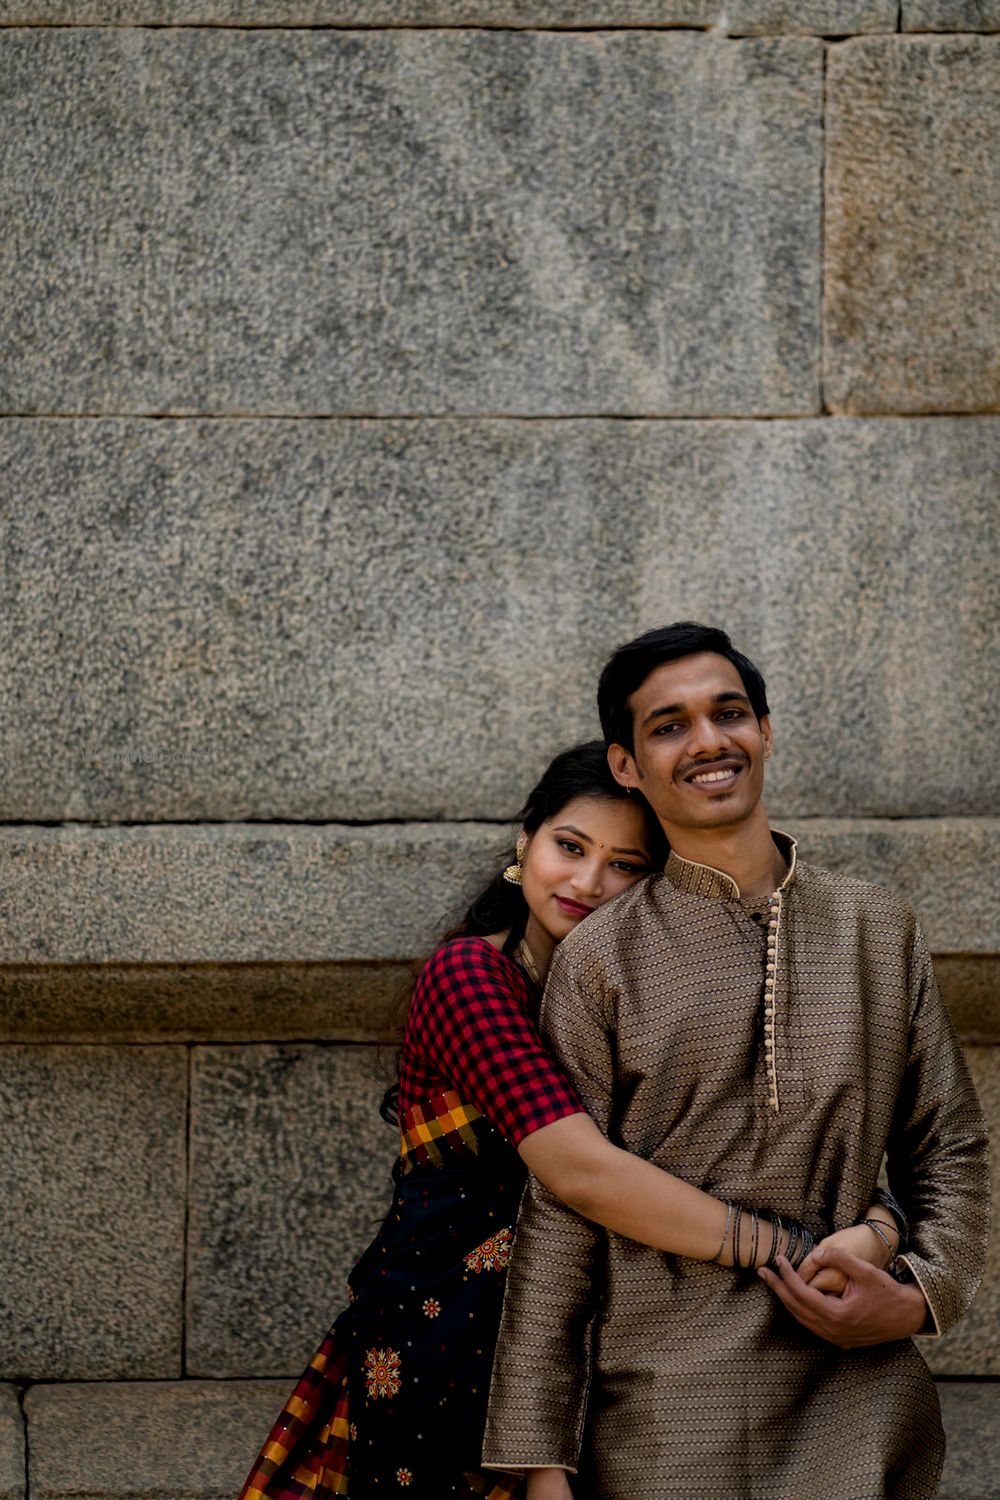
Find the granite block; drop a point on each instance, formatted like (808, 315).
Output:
(951, 15)
(737, 18)
(290, 1178)
(971, 1415)
(130, 1440)
(409, 221)
(237, 894)
(92, 1182)
(973, 1346)
(13, 1476)
(912, 297)
(214, 620)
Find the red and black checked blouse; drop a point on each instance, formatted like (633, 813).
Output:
(469, 1029)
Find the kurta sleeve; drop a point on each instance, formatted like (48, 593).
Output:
(469, 1020)
(538, 1395)
(937, 1156)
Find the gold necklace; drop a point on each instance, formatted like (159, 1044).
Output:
(526, 959)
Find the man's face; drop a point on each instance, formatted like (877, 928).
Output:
(699, 749)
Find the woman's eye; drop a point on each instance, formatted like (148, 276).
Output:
(621, 864)
(570, 847)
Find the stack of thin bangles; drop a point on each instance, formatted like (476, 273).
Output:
(797, 1245)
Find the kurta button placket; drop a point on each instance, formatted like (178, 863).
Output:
(770, 974)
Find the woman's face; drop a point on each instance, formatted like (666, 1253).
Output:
(588, 852)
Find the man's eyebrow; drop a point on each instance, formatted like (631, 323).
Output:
(730, 696)
(579, 834)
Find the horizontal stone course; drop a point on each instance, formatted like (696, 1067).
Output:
(12, 1457)
(121, 1441)
(353, 1002)
(184, 1440)
(912, 250)
(290, 1178)
(735, 18)
(951, 15)
(318, 620)
(92, 1235)
(248, 894)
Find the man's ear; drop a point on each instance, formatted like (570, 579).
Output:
(623, 767)
(767, 736)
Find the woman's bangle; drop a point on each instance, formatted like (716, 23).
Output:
(725, 1233)
(879, 1229)
(885, 1199)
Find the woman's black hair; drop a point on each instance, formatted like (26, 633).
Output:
(500, 906)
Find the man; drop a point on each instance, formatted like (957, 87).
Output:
(767, 1030)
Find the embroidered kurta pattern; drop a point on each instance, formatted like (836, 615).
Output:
(770, 1052)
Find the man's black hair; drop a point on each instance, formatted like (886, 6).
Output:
(632, 663)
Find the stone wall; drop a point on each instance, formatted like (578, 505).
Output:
(370, 368)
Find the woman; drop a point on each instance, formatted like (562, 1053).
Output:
(395, 1398)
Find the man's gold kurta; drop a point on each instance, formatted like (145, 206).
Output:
(769, 1052)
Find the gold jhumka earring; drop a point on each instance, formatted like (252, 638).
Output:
(513, 873)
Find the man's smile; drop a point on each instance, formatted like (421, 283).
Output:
(718, 776)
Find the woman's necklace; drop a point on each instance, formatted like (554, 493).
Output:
(526, 959)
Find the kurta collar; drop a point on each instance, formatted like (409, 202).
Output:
(703, 880)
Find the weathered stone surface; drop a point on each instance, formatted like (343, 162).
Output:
(12, 1471)
(190, 1440)
(736, 18)
(944, 867)
(971, 988)
(351, 1002)
(289, 1181)
(973, 1346)
(366, 620)
(971, 1416)
(912, 299)
(251, 894)
(951, 15)
(826, 17)
(92, 1182)
(409, 221)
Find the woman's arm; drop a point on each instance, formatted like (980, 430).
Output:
(628, 1194)
(634, 1198)
(468, 1019)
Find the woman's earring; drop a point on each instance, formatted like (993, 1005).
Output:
(513, 873)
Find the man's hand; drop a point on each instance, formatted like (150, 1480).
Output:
(548, 1484)
(858, 1240)
(872, 1309)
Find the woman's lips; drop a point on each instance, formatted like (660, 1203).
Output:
(573, 908)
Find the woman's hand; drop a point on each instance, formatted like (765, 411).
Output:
(548, 1484)
(859, 1241)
